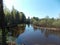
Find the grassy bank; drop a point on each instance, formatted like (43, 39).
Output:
(47, 28)
(47, 23)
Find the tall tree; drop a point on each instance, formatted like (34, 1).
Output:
(28, 20)
(22, 17)
(13, 13)
(17, 17)
(2, 23)
(7, 15)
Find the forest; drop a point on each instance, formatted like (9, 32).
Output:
(15, 17)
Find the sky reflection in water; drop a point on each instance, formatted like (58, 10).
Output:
(32, 36)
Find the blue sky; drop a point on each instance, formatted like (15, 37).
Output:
(37, 8)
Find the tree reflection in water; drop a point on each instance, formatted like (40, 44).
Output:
(48, 32)
(17, 30)
(35, 28)
(28, 25)
(38, 37)
(52, 32)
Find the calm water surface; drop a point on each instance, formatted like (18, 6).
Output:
(31, 35)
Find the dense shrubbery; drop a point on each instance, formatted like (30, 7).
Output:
(46, 22)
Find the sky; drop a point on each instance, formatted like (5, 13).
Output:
(35, 8)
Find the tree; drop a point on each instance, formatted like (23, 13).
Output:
(13, 14)
(7, 15)
(32, 20)
(36, 18)
(22, 17)
(43, 23)
(2, 23)
(28, 20)
(56, 24)
(17, 17)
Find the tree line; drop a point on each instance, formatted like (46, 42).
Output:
(46, 22)
(15, 17)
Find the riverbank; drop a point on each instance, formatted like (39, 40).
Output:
(47, 28)
(13, 43)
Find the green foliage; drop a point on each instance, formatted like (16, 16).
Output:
(17, 17)
(46, 22)
(22, 17)
(42, 23)
(34, 19)
(28, 20)
(56, 24)
(14, 16)
(7, 15)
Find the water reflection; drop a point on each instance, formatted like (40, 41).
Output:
(28, 25)
(35, 28)
(36, 36)
(18, 30)
(51, 32)
(14, 32)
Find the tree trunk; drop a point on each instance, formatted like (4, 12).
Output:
(2, 23)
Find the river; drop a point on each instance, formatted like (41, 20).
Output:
(36, 36)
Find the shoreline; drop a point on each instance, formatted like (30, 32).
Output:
(47, 28)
